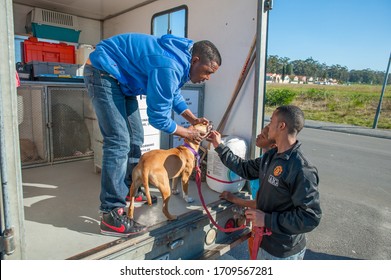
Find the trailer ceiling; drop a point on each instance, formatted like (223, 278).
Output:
(92, 9)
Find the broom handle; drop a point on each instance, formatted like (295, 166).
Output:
(246, 69)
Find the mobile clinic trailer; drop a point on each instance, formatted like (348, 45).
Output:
(49, 205)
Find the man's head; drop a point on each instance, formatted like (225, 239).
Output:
(205, 61)
(263, 140)
(287, 118)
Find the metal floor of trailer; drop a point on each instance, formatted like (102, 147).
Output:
(61, 209)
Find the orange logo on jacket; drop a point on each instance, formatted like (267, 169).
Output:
(277, 171)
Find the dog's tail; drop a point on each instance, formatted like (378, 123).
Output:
(145, 181)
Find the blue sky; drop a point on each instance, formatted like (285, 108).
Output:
(351, 33)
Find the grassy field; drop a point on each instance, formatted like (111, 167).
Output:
(349, 104)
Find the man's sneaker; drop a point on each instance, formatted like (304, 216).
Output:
(141, 197)
(117, 223)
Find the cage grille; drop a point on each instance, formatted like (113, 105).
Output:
(71, 122)
(57, 18)
(55, 124)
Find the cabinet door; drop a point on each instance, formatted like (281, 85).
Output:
(70, 117)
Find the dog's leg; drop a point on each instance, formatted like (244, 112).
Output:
(174, 186)
(145, 178)
(136, 183)
(185, 188)
(131, 205)
(166, 194)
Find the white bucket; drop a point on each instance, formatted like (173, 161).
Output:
(218, 177)
(83, 52)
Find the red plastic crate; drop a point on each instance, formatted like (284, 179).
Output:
(48, 52)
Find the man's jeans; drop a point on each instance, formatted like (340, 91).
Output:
(122, 130)
(263, 255)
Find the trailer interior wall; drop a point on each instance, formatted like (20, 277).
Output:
(231, 26)
(90, 29)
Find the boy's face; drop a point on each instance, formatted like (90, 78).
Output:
(200, 72)
(263, 140)
(273, 126)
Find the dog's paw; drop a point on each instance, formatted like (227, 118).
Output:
(172, 218)
(188, 199)
(175, 191)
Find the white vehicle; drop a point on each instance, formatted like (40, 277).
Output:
(49, 206)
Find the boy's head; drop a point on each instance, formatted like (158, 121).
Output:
(289, 118)
(263, 140)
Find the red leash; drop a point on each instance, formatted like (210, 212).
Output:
(198, 181)
(257, 233)
(255, 240)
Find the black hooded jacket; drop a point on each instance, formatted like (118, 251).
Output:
(288, 195)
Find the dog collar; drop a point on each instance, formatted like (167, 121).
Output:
(197, 156)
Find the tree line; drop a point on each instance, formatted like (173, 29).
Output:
(321, 71)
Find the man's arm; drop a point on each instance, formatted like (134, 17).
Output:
(192, 119)
(162, 86)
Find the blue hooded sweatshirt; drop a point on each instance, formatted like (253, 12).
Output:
(152, 66)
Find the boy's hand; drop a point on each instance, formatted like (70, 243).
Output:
(257, 217)
(214, 137)
(227, 196)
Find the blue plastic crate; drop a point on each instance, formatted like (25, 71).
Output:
(55, 33)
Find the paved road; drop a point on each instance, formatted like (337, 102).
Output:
(355, 185)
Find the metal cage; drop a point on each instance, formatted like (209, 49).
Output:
(70, 122)
(55, 124)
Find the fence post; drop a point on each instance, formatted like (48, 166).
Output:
(381, 96)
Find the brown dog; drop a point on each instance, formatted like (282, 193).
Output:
(157, 167)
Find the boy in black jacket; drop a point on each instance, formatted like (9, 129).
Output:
(287, 202)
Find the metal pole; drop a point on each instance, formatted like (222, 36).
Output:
(260, 72)
(7, 234)
(381, 95)
(13, 237)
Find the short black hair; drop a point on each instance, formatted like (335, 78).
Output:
(207, 51)
(293, 116)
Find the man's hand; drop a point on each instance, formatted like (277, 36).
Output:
(256, 217)
(214, 137)
(192, 119)
(200, 120)
(195, 135)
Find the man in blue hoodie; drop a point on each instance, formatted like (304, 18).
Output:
(120, 68)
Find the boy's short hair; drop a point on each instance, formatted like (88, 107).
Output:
(293, 116)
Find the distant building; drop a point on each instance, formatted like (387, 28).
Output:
(297, 79)
(273, 78)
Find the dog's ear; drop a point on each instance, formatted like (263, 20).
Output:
(210, 127)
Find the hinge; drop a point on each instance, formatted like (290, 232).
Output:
(268, 5)
(7, 242)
